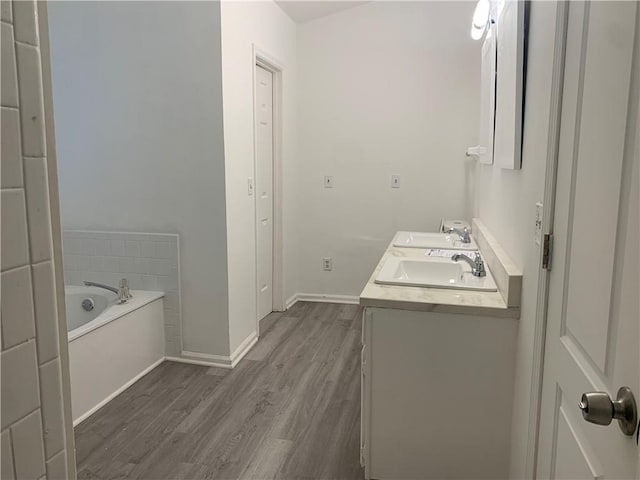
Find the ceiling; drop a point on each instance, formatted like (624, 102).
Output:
(302, 11)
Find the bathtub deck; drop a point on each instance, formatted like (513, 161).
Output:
(290, 409)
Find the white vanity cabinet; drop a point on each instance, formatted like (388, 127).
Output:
(437, 393)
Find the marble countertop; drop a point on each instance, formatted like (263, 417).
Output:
(431, 299)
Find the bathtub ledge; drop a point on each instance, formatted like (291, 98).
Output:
(140, 299)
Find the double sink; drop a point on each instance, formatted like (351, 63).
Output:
(434, 268)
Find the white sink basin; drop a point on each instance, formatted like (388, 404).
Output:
(432, 240)
(434, 273)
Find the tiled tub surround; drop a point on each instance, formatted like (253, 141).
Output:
(34, 442)
(150, 261)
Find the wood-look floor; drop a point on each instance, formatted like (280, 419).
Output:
(289, 410)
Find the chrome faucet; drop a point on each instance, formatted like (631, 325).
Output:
(477, 265)
(122, 291)
(462, 233)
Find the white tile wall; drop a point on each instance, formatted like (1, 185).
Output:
(150, 261)
(45, 310)
(17, 302)
(32, 417)
(8, 75)
(20, 391)
(15, 246)
(51, 394)
(25, 22)
(28, 454)
(57, 467)
(35, 179)
(11, 167)
(6, 12)
(6, 467)
(31, 104)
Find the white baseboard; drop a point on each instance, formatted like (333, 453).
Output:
(197, 358)
(290, 302)
(222, 361)
(193, 361)
(322, 298)
(246, 345)
(93, 410)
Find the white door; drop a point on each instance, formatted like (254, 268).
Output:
(264, 189)
(593, 311)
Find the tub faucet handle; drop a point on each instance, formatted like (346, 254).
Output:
(123, 291)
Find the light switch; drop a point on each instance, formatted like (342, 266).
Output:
(538, 234)
(395, 181)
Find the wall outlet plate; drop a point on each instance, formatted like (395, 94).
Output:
(327, 264)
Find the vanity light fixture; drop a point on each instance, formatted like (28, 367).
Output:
(480, 22)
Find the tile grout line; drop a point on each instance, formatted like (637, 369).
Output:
(13, 452)
(48, 361)
(8, 270)
(40, 262)
(13, 189)
(13, 424)
(13, 347)
(26, 44)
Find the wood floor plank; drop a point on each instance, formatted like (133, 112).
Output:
(270, 339)
(290, 409)
(267, 459)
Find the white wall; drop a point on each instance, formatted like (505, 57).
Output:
(506, 203)
(138, 111)
(264, 24)
(384, 88)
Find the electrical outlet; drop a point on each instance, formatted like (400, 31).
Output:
(327, 264)
(328, 181)
(395, 181)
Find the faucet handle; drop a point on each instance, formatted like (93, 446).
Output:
(479, 265)
(124, 288)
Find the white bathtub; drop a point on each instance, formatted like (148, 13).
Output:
(111, 346)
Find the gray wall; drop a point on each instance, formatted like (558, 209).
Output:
(35, 433)
(138, 112)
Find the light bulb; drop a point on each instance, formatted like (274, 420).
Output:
(480, 19)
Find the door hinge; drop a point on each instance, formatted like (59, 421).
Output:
(547, 251)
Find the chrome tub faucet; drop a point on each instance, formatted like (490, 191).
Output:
(122, 291)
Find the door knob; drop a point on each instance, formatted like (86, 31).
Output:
(598, 408)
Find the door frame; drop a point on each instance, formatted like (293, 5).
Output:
(262, 58)
(548, 214)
